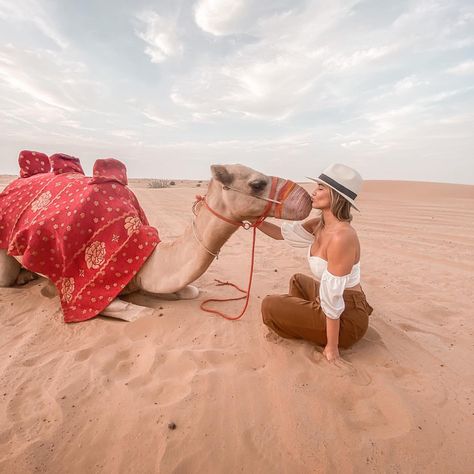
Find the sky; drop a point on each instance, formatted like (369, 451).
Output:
(287, 87)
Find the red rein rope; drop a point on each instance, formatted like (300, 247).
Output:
(222, 283)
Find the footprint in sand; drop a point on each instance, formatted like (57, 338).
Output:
(342, 368)
(381, 414)
(89, 351)
(359, 376)
(212, 360)
(163, 384)
(40, 360)
(150, 370)
(410, 328)
(317, 355)
(33, 414)
(119, 365)
(83, 354)
(417, 382)
(274, 338)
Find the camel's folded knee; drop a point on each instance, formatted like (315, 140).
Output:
(25, 276)
(189, 292)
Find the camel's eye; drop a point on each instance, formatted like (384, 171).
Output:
(258, 185)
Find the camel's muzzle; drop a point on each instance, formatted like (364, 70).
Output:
(295, 202)
(287, 200)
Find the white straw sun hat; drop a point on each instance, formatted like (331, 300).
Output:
(344, 180)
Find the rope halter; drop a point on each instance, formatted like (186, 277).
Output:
(277, 203)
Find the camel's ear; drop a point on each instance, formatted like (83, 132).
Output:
(220, 173)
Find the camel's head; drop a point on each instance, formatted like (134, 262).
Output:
(243, 192)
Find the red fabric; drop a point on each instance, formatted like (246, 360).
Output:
(33, 162)
(61, 163)
(88, 235)
(110, 170)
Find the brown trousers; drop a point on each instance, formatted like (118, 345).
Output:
(298, 315)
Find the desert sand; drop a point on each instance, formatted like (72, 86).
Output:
(102, 396)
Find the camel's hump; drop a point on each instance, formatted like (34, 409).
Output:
(33, 162)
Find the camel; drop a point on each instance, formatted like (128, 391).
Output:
(236, 196)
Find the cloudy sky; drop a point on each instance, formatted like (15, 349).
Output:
(284, 86)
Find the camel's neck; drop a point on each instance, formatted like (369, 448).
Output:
(173, 265)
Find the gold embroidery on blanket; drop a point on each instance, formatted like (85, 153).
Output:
(19, 250)
(98, 231)
(49, 204)
(132, 224)
(95, 255)
(101, 272)
(67, 289)
(20, 214)
(41, 202)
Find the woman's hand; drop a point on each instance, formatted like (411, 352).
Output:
(331, 353)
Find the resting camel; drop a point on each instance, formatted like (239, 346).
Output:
(91, 239)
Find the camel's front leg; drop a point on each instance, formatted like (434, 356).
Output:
(124, 310)
(146, 283)
(189, 292)
(118, 308)
(9, 269)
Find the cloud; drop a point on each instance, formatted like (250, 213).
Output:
(42, 94)
(154, 117)
(220, 17)
(161, 37)
(464, 68)
(179, 101)
(273, 83)
(351, 144)
(30, 72)
(30, 11)
(293, 57)
(127, 134)
(356, 58)
(301, 65)
(408, 83)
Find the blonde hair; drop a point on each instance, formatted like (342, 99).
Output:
(340, 207)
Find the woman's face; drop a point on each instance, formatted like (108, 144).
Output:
(321, 197)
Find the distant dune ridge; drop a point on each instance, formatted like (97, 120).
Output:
(184, 391)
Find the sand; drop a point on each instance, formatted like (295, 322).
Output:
(102, 396)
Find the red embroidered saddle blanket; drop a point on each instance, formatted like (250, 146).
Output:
(89, 236)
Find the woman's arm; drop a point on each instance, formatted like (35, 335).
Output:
(311, 224)
(272, 230)
(331, 351)
(341, 254)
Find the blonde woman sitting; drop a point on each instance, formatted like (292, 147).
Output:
(330, 309)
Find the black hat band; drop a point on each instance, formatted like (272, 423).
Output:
(339, 187)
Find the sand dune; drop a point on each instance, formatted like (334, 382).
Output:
(100, 396)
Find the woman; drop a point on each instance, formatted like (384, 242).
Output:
(330, 310)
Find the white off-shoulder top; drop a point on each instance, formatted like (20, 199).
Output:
(331, 287)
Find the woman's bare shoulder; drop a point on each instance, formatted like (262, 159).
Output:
(345, 234)
(344, 238)
(311, 224)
